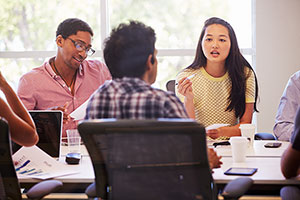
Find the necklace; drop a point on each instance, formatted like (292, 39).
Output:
(73, 79)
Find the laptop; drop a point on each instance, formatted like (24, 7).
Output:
(49, 128)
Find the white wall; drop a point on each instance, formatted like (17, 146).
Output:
(277, 54)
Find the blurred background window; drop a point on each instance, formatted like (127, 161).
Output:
(27, 29)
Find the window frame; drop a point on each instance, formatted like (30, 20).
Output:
(104, 26)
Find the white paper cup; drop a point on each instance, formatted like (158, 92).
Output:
(238, 148)
(248, 131)
(74, 141)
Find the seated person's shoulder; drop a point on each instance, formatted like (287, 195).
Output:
(166, 95)
(34, 74)
(248, 71)
(295, 76)
(294, 82)
(95, 65)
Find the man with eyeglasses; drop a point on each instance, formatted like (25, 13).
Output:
(67, 80)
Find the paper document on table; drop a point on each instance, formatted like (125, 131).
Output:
(32, 162)
(79, 113)
(215, 126)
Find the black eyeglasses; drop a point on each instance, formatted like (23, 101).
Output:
(81, 47)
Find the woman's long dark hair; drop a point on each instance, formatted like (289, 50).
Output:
(235, 63)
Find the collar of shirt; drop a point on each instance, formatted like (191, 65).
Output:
(130, 84)
(54, 75)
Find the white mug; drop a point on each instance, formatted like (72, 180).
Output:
(248, 131)
(238, 148)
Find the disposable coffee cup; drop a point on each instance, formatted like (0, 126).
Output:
(248, 131)
(74, 141)
(238, 148)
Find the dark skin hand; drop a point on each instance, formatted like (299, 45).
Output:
(290, 162)
(66, 117)
(214, 159)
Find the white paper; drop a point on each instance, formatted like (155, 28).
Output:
(32, 162)
(79, 113)
(215, 126)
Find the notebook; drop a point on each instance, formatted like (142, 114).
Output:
(49, 127)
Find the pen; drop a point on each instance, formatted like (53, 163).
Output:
(189, 77)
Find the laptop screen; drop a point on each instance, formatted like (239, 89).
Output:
(49, 128)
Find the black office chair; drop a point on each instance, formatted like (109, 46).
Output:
(170, 85)
(9, 184)
(152, 159)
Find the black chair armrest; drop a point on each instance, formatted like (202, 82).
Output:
(90, 191)
(236, 188)
(289, 192)
(170, 85)
(264, 136)
(44, 188)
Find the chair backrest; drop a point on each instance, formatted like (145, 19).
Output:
(9, 184)
(149, 159)
(170, 85)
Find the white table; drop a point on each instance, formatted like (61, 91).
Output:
(85, 175)
(268, 179)
(258, 149)
(268, 171)
(266, 160)
(73, 182)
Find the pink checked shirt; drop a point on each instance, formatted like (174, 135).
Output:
(42, 89)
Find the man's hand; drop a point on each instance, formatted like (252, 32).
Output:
(214, 159)
(66, 117)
